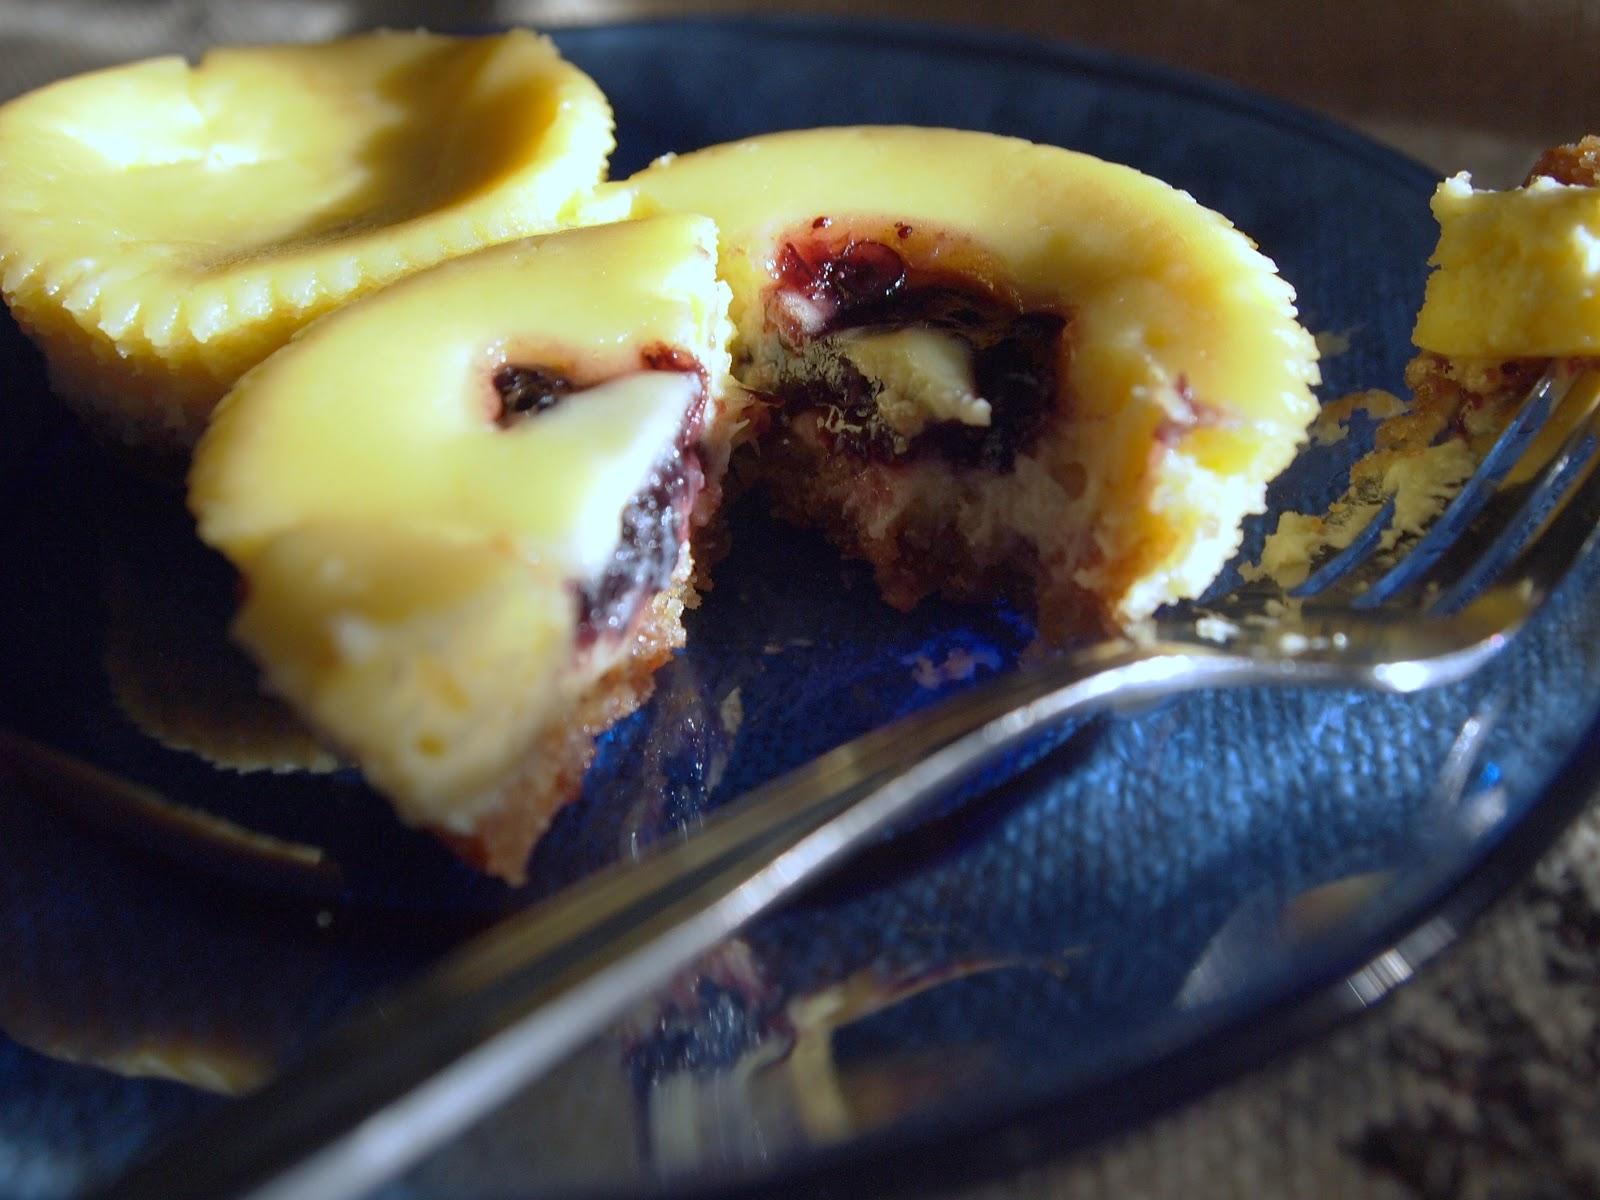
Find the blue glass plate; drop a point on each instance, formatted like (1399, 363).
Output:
(1156, 902)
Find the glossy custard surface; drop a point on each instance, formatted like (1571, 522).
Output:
(164, 226)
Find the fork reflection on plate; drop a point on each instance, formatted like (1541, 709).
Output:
(379, 1093)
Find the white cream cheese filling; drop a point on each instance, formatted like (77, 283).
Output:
(602, 443)
(923, 377)
(919, 377)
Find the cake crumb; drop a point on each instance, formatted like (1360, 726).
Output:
(1216, 629)
(958, 665)
(1331, 343)
(1333, 422)
(1424, 451)
(731, 712)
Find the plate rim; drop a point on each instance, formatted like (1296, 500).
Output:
(1043, 49)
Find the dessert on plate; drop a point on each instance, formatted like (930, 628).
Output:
(988, 366)
(164, 227)
(462, 510)
(465, 488)
(1074, 401)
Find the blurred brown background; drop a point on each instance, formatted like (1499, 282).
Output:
(1470, 83)
(1476, 84)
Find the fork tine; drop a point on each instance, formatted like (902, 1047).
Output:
(1468, 502)
(1513, 517)
(1335, 567)
(1564, 540)
(1551, 527)
(1482, 487)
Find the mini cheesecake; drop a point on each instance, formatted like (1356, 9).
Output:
(986, 366)
(462, 509)
(164, 227)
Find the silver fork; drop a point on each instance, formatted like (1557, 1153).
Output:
(418, 1068)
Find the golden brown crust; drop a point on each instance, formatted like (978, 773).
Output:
(1475, 395)
(1576, 163)
(919, 552)
(553, 769)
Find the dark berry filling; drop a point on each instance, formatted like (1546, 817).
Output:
(527, 391)
(868, 285)
(654, 526)
(842, 287)
(655, 523)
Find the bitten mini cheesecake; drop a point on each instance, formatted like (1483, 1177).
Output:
(462, 509)
(989, 366)
(465, 507)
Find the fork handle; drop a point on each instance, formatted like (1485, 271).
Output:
(379, 1093)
